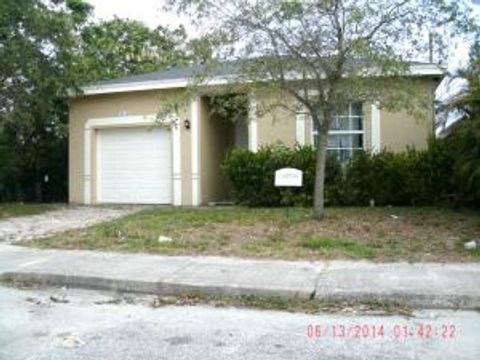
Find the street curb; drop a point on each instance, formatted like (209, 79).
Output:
(146, 287)
(413, 300)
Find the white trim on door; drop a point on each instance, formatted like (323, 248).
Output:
(195, 134)
(87, 167)
(177, 165)
(252, 122)
(98, 166)
(129, 121)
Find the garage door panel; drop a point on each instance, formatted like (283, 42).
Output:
(135, 166)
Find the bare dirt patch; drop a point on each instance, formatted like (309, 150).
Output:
(58, 220)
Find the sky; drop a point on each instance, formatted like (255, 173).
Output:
(151, 13)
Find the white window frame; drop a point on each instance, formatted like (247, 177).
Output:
(344, 132)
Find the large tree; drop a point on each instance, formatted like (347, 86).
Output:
(120, 47)
(327, 53)
(37, 42)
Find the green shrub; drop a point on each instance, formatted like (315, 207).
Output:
(251, 175)
(463, 143)
(413, 177)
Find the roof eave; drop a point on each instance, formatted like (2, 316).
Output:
(415, 70)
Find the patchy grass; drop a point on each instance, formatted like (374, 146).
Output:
(21, 209)
(311, 306)
(330, 246)
(460, 247)
(381, 234)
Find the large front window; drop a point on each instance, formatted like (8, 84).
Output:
(346, 134)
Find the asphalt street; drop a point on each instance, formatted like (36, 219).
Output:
(73, 324)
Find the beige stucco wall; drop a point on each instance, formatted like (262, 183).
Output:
(275, 124)
(398, 130)
(401, 129)
(114, 105)
(216, 137)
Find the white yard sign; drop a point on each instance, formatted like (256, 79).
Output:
(287, 177)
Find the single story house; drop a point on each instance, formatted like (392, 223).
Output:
(118, 153)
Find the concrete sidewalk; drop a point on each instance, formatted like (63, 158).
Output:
(418, 285)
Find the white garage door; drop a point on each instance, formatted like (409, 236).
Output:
(134, 166)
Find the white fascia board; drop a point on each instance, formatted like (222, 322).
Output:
(147, 85)
(130, 87)
(427, 70)
(415, 70)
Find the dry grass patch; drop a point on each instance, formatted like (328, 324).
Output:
(381, 234)
(20, 209)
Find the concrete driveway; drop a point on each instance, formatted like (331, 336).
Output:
(51, 222)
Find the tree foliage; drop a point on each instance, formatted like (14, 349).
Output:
(37, 39)
(464, 137)
(120, 47)
(328, 53)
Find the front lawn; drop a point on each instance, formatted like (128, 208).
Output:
(380, 234)
(20, 209)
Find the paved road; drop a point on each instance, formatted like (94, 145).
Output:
(32, 326)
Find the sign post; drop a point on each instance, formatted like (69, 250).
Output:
(288, 178)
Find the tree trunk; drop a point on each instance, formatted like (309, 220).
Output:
(321, 151)
(319, 196)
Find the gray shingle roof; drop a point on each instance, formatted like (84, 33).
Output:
(174, 73)
(187, 72)
(168, 74)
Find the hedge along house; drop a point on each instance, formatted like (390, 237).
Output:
(121, 151)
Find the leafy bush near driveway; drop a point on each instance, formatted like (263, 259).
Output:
(413, 177)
